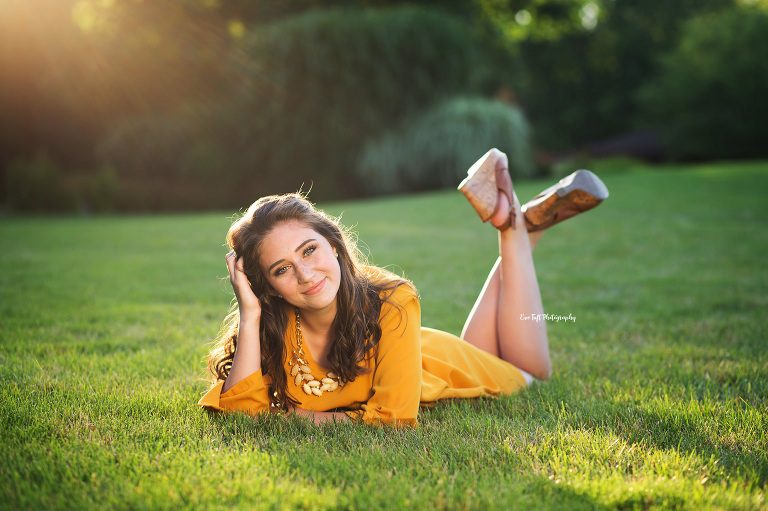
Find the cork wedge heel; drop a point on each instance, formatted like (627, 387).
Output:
(485, 178)
(574, 194)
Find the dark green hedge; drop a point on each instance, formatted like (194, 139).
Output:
(582, 87)
(39, 184)
(326, 82)
(710, 97)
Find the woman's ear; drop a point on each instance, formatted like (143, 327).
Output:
(271, 291)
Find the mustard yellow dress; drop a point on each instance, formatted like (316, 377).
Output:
(412, 366)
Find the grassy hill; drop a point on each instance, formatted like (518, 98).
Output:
(659, 397)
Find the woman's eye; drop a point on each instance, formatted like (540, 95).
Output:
(282, 270)
(309, 250)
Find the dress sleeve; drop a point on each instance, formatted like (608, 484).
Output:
(248, 395)
(397, 368)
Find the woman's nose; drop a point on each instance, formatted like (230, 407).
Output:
(303, 273)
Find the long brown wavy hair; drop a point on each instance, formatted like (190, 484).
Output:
(362, 291)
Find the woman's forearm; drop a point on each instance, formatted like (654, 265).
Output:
(321, 417)
(247, 359)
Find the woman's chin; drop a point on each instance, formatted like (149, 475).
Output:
(325, 299)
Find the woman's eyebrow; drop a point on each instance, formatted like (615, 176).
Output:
(310, 240)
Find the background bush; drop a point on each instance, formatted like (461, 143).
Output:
(36, 184)
(200, 104)
(147, 145)
(710, 96)
(39, 184)
(435, 149)
(582, 86)
(175, 161)
(97, 192)
(327, 81)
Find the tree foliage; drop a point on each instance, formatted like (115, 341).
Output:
(182, 97)
(326, 81)
(710, 96)
(583, 86)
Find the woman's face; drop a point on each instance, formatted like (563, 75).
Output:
(301, 265)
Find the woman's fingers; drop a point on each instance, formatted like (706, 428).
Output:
(231, 259)
(239, 265)
(232, 267)
(242, 288)
(236, 269)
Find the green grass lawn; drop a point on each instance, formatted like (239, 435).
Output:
(659, 397)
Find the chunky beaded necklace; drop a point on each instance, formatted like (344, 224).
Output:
(302, 374)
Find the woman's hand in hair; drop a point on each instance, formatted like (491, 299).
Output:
(247, 302)
(247, 358)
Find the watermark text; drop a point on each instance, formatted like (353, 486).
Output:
(547, 317)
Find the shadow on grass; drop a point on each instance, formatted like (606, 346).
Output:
(727, 436)
(719, 438)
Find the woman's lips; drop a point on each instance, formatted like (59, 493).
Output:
(316, 288)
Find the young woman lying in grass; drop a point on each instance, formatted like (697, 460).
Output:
(316, 332)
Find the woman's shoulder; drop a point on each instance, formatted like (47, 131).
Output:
(394, 289)
(379, 275)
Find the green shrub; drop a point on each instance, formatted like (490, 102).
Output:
(326, 81)
(171, 160)
(435, 149)
(710, 97)
(97, 192)
(148, 145)
(207, 161)
(36, 184)
(582, 87)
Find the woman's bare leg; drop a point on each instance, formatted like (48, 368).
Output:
(510, 293)
(481, 324)
(481, 327)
